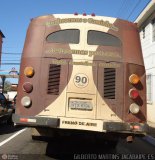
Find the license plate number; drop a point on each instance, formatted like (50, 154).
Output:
(80, 105)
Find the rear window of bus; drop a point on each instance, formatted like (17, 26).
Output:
(64, 36)
(102, 38)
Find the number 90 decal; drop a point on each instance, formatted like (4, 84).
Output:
(81, 80)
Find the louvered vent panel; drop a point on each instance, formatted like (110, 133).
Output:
(109, 83)
(54, 79)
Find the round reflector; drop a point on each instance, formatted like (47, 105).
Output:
(27, 87)
(134, 79)
(134, 108)
(29, 71)
(26, 101)
(133, 93)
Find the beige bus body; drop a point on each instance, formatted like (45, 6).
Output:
(80, 80)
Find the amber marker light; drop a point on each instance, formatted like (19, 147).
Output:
(134, 79)
(29, 71)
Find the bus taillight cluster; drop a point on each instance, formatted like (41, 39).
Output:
(134, 93)
(27, 87)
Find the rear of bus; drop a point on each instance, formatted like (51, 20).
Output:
(82, 73)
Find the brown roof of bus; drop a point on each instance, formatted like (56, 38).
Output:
(2, 34)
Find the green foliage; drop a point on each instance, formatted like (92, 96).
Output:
(7, 86)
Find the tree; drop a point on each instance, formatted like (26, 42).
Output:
(7, 86)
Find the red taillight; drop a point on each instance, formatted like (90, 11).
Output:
(93, 14)
(84, 14)
(27, 87)
(133, 93)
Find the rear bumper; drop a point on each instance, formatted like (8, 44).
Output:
(35, 121)
(82, 124)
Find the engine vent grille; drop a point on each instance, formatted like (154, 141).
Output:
(54, 79)
(109, 83)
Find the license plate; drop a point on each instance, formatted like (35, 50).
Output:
(81, 105)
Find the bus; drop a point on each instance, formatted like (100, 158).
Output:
(82, 73)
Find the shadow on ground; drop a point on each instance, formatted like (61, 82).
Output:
(79, 148)
(6, 129)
